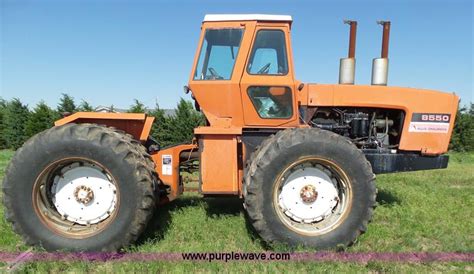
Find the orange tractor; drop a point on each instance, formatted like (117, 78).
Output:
(303, 157)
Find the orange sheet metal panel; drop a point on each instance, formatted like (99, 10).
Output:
(137, 124)
(411, 101)
(167, 166)
(219, 164)
(218, 131)
(146, 128)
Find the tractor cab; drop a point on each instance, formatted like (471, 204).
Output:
(243, 71)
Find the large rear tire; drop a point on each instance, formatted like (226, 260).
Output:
(80, 187)
(309, 187)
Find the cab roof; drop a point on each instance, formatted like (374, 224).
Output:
(247, 17)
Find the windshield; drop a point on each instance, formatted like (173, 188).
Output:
(218, 53)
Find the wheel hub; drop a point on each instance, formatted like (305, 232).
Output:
(83, 194)
(308, 195)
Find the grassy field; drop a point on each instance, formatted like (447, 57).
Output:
(429, 211)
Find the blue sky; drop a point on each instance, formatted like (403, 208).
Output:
(110, 52)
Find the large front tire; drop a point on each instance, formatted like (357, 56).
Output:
(79, 187)
(309, 187)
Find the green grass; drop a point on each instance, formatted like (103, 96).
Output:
(428, 211)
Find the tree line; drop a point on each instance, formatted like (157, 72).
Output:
(18, 122)
(463, 133)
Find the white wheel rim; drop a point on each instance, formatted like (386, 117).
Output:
(83, 194)
(312, 196)
(291, 198)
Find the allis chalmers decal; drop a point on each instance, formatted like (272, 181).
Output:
(430, 122)
(167, 165)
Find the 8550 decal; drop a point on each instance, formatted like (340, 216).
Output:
(430, 122)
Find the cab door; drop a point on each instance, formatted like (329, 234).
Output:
(218, 65)
(267, 85)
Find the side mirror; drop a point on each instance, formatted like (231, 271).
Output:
(300, 86)
(186, 89)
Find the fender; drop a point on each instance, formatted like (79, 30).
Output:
(136, 124)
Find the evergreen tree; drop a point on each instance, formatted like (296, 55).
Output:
(463, 133)
(137, 107)
(41, 118)
(184, 121)
(3, 106)
(66, 104)
(85, 106)
(15, 117)
(162, 129)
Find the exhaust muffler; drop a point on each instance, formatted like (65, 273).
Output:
(347, 65)
(380, 65)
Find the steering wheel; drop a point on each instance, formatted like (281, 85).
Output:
(214, 74)
(265, 69)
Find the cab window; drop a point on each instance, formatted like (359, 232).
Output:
(271, 102)
(269, 54)
(218, 53)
